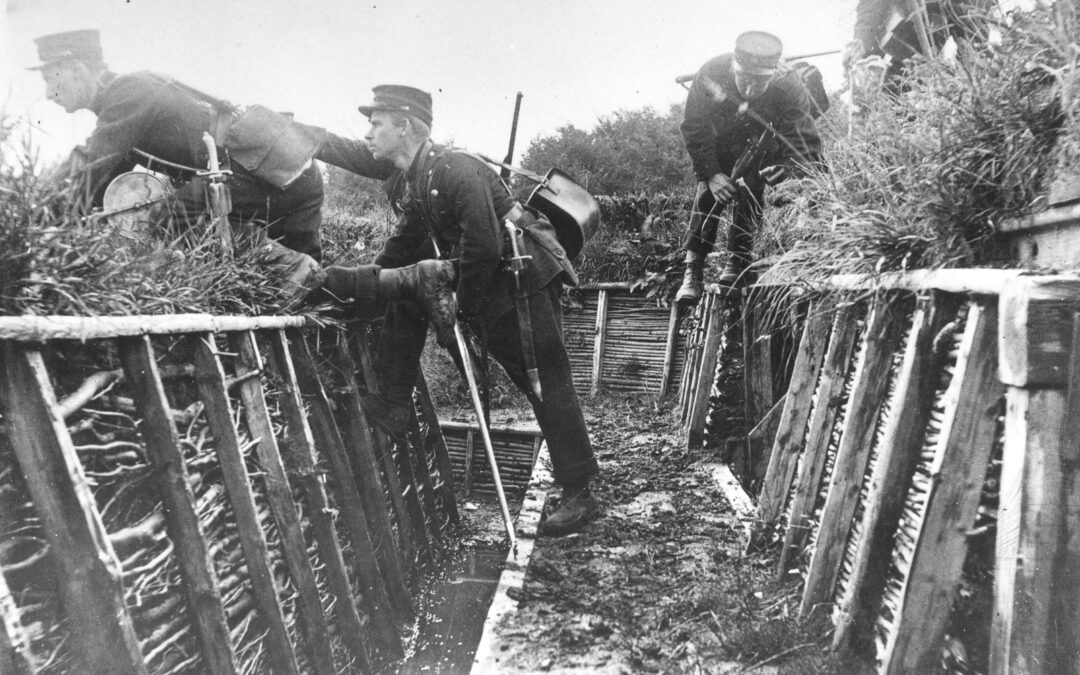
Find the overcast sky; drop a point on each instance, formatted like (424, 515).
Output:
(573, 61)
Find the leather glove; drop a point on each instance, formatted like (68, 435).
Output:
(296, 274)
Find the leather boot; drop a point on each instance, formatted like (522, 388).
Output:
(578, 507)
(431, 284)
(733, 271)
(693, 284)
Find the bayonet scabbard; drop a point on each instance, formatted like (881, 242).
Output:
(518, 267)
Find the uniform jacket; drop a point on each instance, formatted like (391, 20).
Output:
(164, 118)
(874, 18)
(715, 132)
(461, 201)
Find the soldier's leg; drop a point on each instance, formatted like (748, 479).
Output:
(744, 221)
(294, 214)
(559, 414)
(697, 243)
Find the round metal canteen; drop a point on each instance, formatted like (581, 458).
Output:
(133, 200)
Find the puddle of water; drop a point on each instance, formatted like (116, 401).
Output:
(453, 611)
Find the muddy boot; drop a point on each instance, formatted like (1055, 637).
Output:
(391, 418)
(431, 284)
(733, 271)
(578, 508)
(693, 284)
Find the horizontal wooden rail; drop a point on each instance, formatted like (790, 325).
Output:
(44, 328)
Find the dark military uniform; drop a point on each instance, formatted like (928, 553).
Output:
(459, 201)
(715, 133)
(166, 119)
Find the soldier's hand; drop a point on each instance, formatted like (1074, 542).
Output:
(722, 188)
(773, 174)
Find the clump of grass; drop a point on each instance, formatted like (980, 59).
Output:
(924, 176)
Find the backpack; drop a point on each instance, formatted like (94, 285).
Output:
(810, 76)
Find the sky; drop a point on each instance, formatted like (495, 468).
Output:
(573, 61)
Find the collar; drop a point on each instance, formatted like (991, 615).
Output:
(103, 83)
(425, 150)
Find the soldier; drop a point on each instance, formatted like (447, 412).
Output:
(455, 201)
(747, 124)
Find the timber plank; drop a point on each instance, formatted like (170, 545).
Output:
(314, 625)
(808, 481)
(670, 344)
(1067, 584)
(1036, 330)
(705, 376)
(760, 440)
(791, 433)
(210, 380)
(758, 373)
(163, 450)
(961, 459)
(14, 641)
(328, 439)
(435, 443)
(312, 484)
(89, 572)
(898, 455)
(598, 341)
(1028, 532)
(868, 391)
(372, 492)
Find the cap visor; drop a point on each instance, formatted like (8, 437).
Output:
(757, 70)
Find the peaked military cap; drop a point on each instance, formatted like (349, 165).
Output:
(758, 52)
(83, 45)
(402, 99)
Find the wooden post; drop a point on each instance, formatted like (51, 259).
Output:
(470, 452)
(436, 444)
(210, 379)
(312, 483)
(760, 440)
(372, 491)
(422, 478)
(328, 439)
(316, 629)
(758, 373)
(598, 344)
(1067, 586)
(669, 349)
(706, 376)
(897, 456)
(163, 450)
(791, 434)
(808, 481)
(14, 641)
(960, 461)
(868, 391)
(88, 572)
(1035, 324)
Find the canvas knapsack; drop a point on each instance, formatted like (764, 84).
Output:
(815, 86)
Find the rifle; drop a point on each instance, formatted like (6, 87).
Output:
(750, 156)
(505, 173)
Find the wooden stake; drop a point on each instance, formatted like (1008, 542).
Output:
(316, 629)
(372, 491)
(760, 441)
(163, 450)
(210, 378)
(328, 440)
(313, 485)
(808, 482)
(868, 392)
(599, 338)
(87, 569)
(706, 376)
(436, 445)
(758, 376)
(14, 642)
(961, 459)
(1067, 578)
(791, 434)
(670, 344)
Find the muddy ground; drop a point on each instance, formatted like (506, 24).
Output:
(660, 582)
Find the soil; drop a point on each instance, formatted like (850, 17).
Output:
(660, 582)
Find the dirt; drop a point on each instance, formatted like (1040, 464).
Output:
(660, 582)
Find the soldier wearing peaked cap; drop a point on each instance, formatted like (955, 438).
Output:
(747, 124)
(451, 201)
(276, 189)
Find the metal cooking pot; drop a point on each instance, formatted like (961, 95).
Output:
(571, 209)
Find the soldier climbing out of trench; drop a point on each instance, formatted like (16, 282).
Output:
(452, 203)
(747, 124)
(274, 188)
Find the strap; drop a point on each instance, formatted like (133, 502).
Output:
(531, 175)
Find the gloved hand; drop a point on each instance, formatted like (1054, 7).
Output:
(722, 188)
(773, 174)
